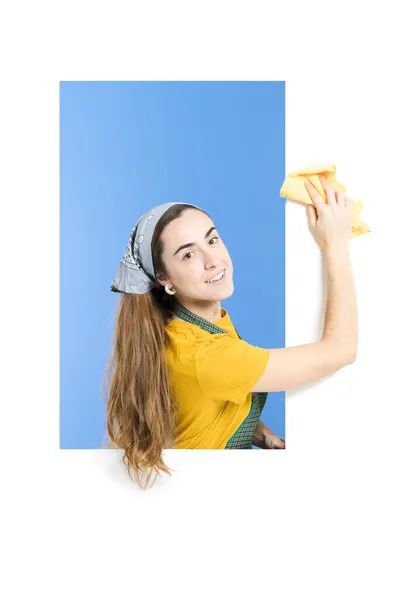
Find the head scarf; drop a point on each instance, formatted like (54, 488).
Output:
(136, 273)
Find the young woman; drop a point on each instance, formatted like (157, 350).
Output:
(180, 374)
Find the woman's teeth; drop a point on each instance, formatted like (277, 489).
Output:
(218, 278)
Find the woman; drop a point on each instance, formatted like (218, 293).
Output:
(180, 374)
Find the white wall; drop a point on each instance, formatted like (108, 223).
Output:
(317, 520)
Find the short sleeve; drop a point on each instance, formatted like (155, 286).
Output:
(227, 368)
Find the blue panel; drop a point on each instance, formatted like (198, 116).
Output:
(128, 146)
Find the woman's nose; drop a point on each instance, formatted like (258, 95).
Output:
(210, 261)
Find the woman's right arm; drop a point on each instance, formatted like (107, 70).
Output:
(289, 368)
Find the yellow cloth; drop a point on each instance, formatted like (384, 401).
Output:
(211, 376)
(293, 188)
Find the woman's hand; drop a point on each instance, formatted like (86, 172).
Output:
(271, 441)
(266, 439)
(330, 223)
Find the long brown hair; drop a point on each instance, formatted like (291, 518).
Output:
(141, 409)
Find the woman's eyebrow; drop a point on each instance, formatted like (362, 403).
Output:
(193, 243)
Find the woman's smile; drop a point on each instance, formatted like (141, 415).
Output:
(219, 278)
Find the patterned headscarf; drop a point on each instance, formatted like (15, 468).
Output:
(136, 273)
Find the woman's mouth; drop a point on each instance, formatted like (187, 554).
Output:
(219, 278)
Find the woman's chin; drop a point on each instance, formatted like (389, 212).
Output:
(221, 294)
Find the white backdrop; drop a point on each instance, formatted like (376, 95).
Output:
(319, 520)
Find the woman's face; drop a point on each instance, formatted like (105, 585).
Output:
(203, 256)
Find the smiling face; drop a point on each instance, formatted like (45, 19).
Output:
(193, 254)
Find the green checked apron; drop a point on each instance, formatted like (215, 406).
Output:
(241, 439)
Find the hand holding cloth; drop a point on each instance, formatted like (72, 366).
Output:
(293, 189)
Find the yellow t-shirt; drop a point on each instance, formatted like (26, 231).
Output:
(211, 377)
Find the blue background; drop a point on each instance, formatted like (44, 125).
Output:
(128, 146)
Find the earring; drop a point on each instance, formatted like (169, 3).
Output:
(169, 291)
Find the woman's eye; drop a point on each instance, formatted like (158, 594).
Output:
(214, 238)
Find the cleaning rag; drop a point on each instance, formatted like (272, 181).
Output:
(293, 188)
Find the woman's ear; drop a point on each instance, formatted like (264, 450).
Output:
(161, 280)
